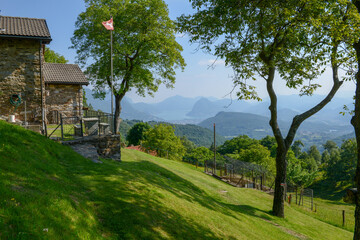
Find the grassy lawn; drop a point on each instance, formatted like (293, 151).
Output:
(47, 191)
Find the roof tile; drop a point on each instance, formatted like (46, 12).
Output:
(24, 27)
(60, 73)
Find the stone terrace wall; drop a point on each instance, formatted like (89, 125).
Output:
(65, 99)
(20, 73)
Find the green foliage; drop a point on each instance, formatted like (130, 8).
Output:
(315, 154)
(299, 172)
(296, 147)
(189, 145)
(269, 142)
(236, 144)
(199, 155)
(257, 154)
(162, 139)
(137, 133)
(198, 135)
(288, 35)
(53, 57)
(342, 162)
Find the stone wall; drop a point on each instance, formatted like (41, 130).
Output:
(20, 74)
(107, 146)
(64, 99)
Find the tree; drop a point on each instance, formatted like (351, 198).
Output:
(298, 174)
(355, 121)
(53, 57)
(189, 145)
(236, 144)
(136, 134)
(257, 38)
(348, 157)
(342, 163)
(145, 54)
(268, 142)
(330, 145)
(296, 147)
(325, 157)
(200, 155)
(257, 154)
(315, 154)
(162, 139)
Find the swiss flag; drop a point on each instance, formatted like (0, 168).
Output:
(108, 24)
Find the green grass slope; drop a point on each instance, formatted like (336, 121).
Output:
(49, 192)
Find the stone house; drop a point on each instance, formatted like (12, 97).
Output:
(63, 90)
(44, 87)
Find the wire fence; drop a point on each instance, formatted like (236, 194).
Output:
(240, 173)
(300, 196)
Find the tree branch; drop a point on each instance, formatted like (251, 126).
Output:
(297, 120)
(273, 109)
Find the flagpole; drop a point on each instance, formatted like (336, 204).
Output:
(112, 85)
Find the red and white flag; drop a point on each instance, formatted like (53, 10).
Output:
(109, 24)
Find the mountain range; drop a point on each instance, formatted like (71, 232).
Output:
(235, 117)
(178, 109)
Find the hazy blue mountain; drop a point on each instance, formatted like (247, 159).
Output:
(182, 110)
(127, 112)
(172, 108)
(204, 108)
(130, 113)
(232, 124)
(295, 103)
(339, 140)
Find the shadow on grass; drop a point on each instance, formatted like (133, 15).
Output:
(329, 190)
(130, 204)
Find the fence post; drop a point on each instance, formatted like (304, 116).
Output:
(302, 197)
(261, 183)
(81, 127)
(312, 199)
(62, 127)
(99, 124)
(290, 196)
(343, 218)
(296, 201)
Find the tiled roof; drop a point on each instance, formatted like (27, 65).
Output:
(60, 73)
(24, 27)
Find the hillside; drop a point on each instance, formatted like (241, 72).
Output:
(49, 192)
(231, 124)
(198, 135)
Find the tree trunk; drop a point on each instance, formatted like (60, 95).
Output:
(355, 121)
(280, 181)
(284, 144)
(117, 119)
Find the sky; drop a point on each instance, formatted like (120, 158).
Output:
(198, 78)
